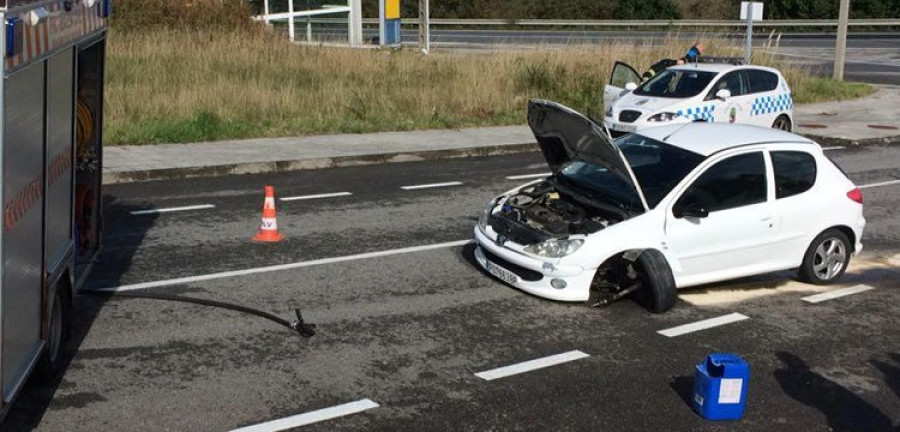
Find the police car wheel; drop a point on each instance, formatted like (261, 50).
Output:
(782, 123)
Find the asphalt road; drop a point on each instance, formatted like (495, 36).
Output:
(871, 57)
(410, 330)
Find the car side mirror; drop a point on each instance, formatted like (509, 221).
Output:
(723, 94)
(692, 210)
(630, 86)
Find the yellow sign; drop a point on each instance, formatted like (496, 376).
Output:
(391, 9)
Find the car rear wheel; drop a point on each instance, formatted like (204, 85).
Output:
(782, 123)
(826, 259)
(52, 358)
(657, 292)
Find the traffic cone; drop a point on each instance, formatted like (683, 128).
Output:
(268, 227)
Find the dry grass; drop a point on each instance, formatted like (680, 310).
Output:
(176, 85)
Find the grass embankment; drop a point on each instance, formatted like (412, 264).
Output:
(188, 84)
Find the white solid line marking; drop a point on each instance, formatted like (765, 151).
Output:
(884, 183)
(296, 265)
(433, 185)
(703, 325)
(527, 176)
(531, 365)
(834, 148)
(818, 298)
(317, 196)
(311, 417)
(172, 209)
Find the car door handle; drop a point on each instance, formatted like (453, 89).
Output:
(766, 219)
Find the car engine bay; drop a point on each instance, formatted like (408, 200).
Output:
(541, 212)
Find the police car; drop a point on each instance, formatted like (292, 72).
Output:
(697, 92)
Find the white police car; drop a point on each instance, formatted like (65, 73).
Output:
(695, 92)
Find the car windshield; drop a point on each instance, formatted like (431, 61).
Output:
(676, 83)
(658, 167)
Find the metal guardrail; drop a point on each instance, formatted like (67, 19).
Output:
(892, 22)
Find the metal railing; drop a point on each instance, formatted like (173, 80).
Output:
(891, 22)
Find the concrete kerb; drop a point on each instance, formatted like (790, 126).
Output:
(112, 177)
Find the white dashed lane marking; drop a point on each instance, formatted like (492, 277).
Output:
(531, 365)
(833, 148)
(884, 183)
(703, 325)
(172, 209)
(527, 176)
(432, 185)
(281, 267)
(311, 417)
(818, 298)
(317, 196)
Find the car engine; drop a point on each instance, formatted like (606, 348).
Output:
(546, 213)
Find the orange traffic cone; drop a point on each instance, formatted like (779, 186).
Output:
(268, 227)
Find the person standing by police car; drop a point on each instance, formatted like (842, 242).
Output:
(690, 56)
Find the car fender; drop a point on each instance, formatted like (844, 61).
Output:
(633, 235)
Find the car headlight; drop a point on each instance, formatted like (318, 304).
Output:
(663, 117)
(609, 111)
(554, 248)
(483, 220)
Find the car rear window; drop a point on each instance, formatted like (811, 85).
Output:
(795, 172)
(761, 81)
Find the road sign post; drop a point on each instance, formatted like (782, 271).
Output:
(750, 11)
(389, 20)
(840, 47)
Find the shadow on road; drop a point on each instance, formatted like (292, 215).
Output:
(844, 410)
(35, 399)
(684, 388)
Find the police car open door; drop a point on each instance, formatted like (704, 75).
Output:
(621, 75)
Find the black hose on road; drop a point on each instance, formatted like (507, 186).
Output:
(302, 328)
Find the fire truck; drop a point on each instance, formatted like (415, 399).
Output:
(51, 123)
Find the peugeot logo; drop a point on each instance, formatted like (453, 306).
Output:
(502, 239)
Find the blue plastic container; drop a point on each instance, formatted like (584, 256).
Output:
(720, 387)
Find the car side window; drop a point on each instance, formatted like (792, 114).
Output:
(795, 172)
(762, 81)
(734, 182)
(732, 81)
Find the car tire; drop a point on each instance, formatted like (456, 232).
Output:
(657, 293)
(826, 259)
(52, 358)
(782, 122)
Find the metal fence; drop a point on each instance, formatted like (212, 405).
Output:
(892, 22)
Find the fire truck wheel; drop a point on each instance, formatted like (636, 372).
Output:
(51, 359)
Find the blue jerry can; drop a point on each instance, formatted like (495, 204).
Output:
(720, 387)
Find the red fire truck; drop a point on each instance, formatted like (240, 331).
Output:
(50, 134)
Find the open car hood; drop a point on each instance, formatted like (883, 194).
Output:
(565, 135)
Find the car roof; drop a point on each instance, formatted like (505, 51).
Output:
(720, 67)
(708, 138)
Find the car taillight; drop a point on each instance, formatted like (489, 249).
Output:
(855, 195)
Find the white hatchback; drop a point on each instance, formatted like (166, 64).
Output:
(697, 92)
(666, 208)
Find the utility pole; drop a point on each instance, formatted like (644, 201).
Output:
(355, 23)
(424, 27)
(749, 47)
(840, 47)
(291, 20)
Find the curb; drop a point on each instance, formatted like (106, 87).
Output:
(113, 177)
(852, 142)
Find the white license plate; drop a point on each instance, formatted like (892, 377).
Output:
(622, 127)
(502, 273)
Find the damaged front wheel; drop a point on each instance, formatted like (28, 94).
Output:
(657, 293)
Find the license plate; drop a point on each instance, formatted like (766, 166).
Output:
(502, 273)
(622, 127)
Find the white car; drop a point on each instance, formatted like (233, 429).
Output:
(697, 92)
(666, 208)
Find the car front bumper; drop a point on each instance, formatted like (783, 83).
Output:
(532, 275)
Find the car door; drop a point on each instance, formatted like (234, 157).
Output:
(721, 226)
(737, 107)
(621, 75)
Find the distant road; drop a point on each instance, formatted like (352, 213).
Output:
(871, 57)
